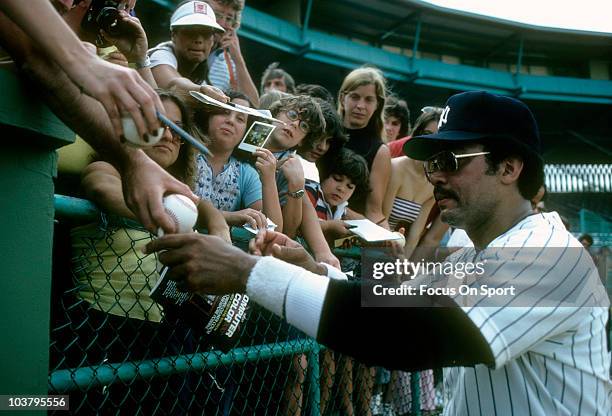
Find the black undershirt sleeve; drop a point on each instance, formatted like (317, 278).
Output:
(432, 332)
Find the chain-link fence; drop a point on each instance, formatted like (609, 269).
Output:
(114, 350)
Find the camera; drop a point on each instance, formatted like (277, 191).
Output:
(102, 14)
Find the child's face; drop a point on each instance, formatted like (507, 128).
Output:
(318, 150)
(291, 134)
(226, 129)
(337, 189)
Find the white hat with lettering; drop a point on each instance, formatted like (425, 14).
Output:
(195, 13)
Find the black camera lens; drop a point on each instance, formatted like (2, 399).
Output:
(107, 21)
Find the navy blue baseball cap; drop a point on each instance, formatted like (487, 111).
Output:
(478, 116)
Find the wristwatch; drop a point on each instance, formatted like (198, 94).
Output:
(297, 194)
(144, 64)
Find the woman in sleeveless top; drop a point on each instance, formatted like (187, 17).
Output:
(360, 105)
(409, 197)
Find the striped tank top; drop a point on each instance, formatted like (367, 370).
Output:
(403, 210)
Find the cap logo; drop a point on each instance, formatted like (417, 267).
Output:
(200, 7)
(443, 117)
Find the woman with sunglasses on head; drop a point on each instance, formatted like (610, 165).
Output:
(113, 277)
(244, 194)
(408, 203)
(361, 101)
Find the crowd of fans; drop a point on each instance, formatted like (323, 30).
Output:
(330, 158)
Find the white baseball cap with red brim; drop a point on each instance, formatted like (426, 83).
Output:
(195, 13)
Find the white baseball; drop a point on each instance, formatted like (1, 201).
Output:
(130, 132)
(183, 212)
(401, 240)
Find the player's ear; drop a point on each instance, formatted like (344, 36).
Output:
(511, 169)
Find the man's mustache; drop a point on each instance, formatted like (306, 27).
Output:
(440, 193)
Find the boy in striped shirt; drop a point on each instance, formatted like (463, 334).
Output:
(340, 178)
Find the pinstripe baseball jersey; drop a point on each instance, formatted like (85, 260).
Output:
(548, 359)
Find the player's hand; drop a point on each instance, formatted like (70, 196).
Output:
(254, 218)
(215, 93)
(203, 263)
(328, 258)
(264, 241)
(273, 243)
(144, 185)
(265, 164)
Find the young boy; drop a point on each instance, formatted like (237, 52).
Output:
(304, 124)
(340, 177)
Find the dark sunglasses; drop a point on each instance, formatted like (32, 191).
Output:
(446, 161)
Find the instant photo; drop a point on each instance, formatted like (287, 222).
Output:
(256, 137)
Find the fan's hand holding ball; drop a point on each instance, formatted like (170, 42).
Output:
(130, 132)
(183, 212)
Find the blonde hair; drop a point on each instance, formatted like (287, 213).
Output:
(366, 76)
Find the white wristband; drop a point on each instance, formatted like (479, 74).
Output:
(334, 273)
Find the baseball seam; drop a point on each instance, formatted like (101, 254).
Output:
(174, 217)
(187, 205)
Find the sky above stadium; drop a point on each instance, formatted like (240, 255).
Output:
(592, 15)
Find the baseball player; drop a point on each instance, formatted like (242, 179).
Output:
(541, 350)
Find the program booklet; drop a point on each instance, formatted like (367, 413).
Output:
(370, 232)
(219, 317)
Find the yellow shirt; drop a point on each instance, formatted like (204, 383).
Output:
(112, 273)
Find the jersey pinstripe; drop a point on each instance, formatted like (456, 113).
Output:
(549, 358)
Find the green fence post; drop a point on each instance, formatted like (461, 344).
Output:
(30, 134)
(415, 392)
(314, 377)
